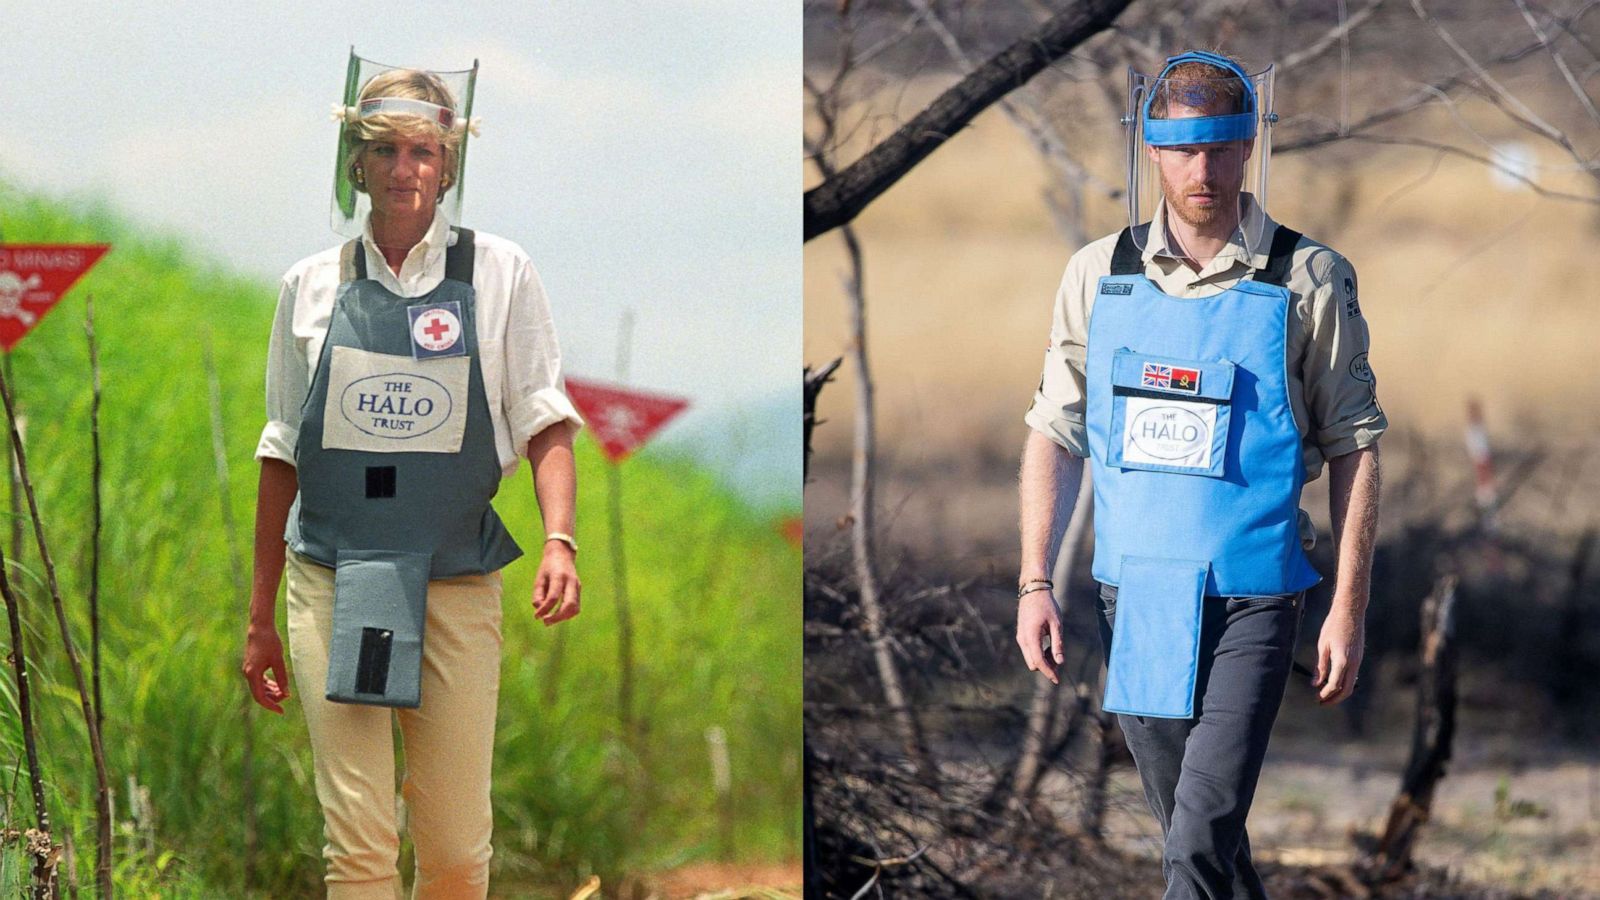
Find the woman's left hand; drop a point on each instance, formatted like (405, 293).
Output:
(556, 590)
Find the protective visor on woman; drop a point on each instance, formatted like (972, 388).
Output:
(358, 116)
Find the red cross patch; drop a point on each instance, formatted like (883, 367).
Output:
(436, 330)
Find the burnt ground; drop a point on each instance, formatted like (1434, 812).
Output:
(1518, 813)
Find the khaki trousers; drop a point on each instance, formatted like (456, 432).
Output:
(448, 744)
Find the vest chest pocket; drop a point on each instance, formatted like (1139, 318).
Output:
(384, 403)
(1169, 414)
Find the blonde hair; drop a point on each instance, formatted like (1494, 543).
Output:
(409, 84)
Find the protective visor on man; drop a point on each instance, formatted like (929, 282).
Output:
(1199, 137)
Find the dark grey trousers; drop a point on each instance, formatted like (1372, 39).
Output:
(1200, 774)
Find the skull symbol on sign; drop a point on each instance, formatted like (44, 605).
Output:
(12, 287)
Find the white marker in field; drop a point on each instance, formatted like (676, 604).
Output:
(1482, 464)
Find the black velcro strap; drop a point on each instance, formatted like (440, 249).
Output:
(1127, 259)
(380, 482)
(458, 259)
(1276, 270)
(352, 261)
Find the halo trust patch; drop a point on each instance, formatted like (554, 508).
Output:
(436, 330)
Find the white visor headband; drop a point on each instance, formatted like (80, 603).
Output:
(442, 116)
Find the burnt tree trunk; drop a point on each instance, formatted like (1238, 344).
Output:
(1091, 818)
(813, 382)
(863, 478)
(1430, 741)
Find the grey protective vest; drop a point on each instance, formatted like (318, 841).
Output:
(397, 466)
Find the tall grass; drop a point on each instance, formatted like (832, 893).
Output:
(715, 593)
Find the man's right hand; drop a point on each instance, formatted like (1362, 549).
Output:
(1037, 618)
(263, 653)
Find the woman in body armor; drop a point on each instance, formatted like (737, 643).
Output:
(410, 369)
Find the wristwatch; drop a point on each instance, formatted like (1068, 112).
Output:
(564, 538)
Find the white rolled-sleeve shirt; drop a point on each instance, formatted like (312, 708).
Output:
(517, 348)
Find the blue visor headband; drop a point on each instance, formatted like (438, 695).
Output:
(1199, 129)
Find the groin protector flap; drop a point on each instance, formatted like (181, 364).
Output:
(1155, 638)
(379, 609)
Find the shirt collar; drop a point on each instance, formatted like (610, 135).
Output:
(1256, 221)
(423, 257)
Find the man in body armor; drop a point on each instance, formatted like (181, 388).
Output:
(1207, 361)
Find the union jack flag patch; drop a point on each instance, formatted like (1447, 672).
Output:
(1170, 378)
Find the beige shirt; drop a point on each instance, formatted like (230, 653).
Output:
(1331, 386)
(517, 350)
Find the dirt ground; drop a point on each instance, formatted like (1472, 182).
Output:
(1509, 812)
(696, 881)
(727, 881)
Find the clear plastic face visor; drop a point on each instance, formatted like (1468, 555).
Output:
(351, 205)
(1198, 149)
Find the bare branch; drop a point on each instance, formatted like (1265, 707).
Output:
(1569, 26)
(97, 517)
(1329, 38)
(91, 723)
(1439, 90)
(814, 381)
(841, 198)
(904, 31)
(1532, 118)
(1561, 63)
(44, 871)
(1044, 135)
(1453, 150)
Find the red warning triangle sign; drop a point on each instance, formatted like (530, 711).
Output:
(622, 418)
(33, 277)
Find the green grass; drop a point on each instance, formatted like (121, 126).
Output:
(715, 595)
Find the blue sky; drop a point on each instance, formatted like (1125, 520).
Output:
(646, 155)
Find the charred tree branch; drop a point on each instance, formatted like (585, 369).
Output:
(841, 197)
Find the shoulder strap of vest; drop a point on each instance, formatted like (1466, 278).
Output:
(352, 261)
(1127, 258)
(458, 259)
(1276, 270)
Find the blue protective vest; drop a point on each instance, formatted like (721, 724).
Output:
(1196, 463)
(397, 466)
